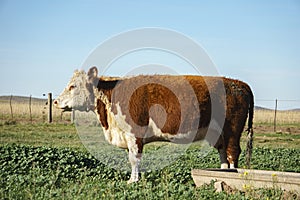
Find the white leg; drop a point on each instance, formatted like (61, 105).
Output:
(224, 166)
(223, 158)
(232, 166)
(135, 160)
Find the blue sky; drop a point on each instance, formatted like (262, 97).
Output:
(43, 42)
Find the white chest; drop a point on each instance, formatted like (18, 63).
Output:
(118, 132)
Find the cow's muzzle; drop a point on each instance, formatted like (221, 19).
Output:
(64, 108)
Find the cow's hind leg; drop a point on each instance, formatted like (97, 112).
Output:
(233, 152)
(223, 158)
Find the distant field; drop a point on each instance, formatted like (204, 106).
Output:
(39, 110)
(282, 117)
(20, 111)
(287, 122)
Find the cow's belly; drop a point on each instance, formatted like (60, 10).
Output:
(155, 134)
(116, 137)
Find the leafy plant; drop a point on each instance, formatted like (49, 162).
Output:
(64, 173)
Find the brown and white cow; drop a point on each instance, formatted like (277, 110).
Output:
(141, 109)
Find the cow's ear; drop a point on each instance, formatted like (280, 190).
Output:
(93, 75)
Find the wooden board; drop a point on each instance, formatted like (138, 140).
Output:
(243, 179)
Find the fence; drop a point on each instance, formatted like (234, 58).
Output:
(28, 109)
(283, 112)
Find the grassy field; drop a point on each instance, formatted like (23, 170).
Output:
(19, 110)
(49, 161)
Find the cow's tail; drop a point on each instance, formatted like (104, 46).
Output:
(250, 130)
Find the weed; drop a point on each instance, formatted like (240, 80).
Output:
(65, 173)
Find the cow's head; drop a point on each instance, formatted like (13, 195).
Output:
(79, 93)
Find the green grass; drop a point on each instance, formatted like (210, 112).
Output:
(48, 161)
(41, 134)
(275, 140)
(29, 172)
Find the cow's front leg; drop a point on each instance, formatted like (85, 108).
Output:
(134, 159)
(135, 147)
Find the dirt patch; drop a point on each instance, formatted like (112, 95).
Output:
(285, 129)
(286, 136)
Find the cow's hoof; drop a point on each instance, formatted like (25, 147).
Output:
(232, 166)
(224, 166)
(132, 181)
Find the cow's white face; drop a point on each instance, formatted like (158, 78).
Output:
(78, 94)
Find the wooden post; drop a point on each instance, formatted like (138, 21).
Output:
(30, 109)
(275, 115)
(50, 107)
(11, 111)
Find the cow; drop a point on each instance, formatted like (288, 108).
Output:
(137, 110)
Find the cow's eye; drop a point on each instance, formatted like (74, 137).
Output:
(71, 87)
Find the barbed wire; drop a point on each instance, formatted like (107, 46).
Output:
(296, 100)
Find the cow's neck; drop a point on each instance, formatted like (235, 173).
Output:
(103, 97)
(103, 106)
(103, 91)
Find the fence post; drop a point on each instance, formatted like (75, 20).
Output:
(50, 107)
(275, 115)
(11, 110)
(30, 109)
